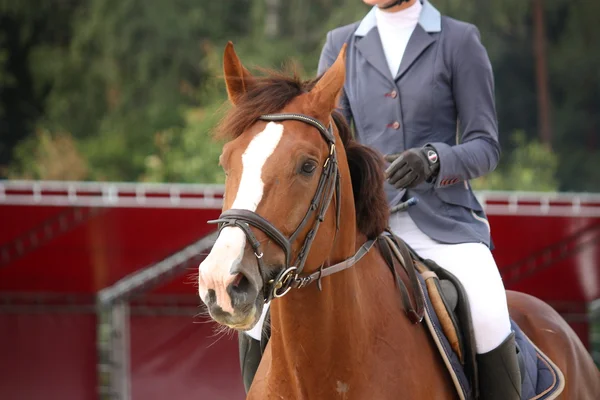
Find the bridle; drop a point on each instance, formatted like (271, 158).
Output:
(329, 183)
(289, 277)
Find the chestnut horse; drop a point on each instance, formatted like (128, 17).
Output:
(303, 203)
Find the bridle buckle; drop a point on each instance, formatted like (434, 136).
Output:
(283, 283)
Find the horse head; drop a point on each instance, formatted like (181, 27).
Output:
(288, 186)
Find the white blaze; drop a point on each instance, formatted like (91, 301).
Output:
(228, 250)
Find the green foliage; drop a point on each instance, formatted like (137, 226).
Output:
(189, 154)
(135, 84)
(529, 167)
(49, 156)
(137, 63)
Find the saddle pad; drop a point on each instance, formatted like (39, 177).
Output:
(542, 379)
(459, 378)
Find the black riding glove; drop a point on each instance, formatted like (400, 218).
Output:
(412, 167)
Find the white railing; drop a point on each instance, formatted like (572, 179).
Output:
(125, 194)
(540, 203)
(117, 194)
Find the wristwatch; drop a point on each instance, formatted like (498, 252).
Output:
(433, 161)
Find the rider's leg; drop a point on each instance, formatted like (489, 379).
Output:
(250, 348)
(250, 356)
(474, 265)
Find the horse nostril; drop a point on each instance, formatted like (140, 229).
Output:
(242, 293)
(240, 283)
(211, 297)
(236, 281)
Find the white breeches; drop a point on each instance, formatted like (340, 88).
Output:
(472, 264)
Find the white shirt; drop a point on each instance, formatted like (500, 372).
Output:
(395, 29)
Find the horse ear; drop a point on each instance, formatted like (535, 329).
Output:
(237, 78)
(326, 93)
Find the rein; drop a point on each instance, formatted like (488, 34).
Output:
(290, 277)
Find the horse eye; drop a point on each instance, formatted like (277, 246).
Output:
(309, 167)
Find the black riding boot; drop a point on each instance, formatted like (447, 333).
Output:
(499, 374)
(251, 352)
(250, 356)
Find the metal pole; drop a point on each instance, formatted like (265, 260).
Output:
(120, 375)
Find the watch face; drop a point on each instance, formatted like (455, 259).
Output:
(432, 156)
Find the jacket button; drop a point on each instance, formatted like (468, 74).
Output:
(393, 94)
(396, 125)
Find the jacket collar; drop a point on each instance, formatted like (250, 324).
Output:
(430, 20)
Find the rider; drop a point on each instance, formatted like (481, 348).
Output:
(420, 90)
(411, 76)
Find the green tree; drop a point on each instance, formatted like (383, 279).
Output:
(48, 156)
(136, 83)
(26, 31)
(128, 71)
(531, 166)
(137, 63)
(190, 154)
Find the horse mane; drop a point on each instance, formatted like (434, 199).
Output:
(270, 94)
(366, 172)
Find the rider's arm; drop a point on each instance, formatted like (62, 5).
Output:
(473, 88)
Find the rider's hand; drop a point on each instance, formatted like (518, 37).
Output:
(412, 167)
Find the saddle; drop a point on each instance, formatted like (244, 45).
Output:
(443, 304)
(448, 299)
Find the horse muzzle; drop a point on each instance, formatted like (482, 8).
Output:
(232, 293)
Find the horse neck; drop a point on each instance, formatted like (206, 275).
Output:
(309, 326)
(346, 332)
(308, 310)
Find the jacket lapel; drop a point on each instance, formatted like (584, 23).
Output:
(419, 41)
(372, 50)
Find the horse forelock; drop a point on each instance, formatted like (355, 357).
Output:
(267, 95)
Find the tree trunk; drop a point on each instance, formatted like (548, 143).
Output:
(543, 97)
(272, 18)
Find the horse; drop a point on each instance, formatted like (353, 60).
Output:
(303, 208)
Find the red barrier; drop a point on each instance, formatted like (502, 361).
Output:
(172, 358)
(48, 356)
